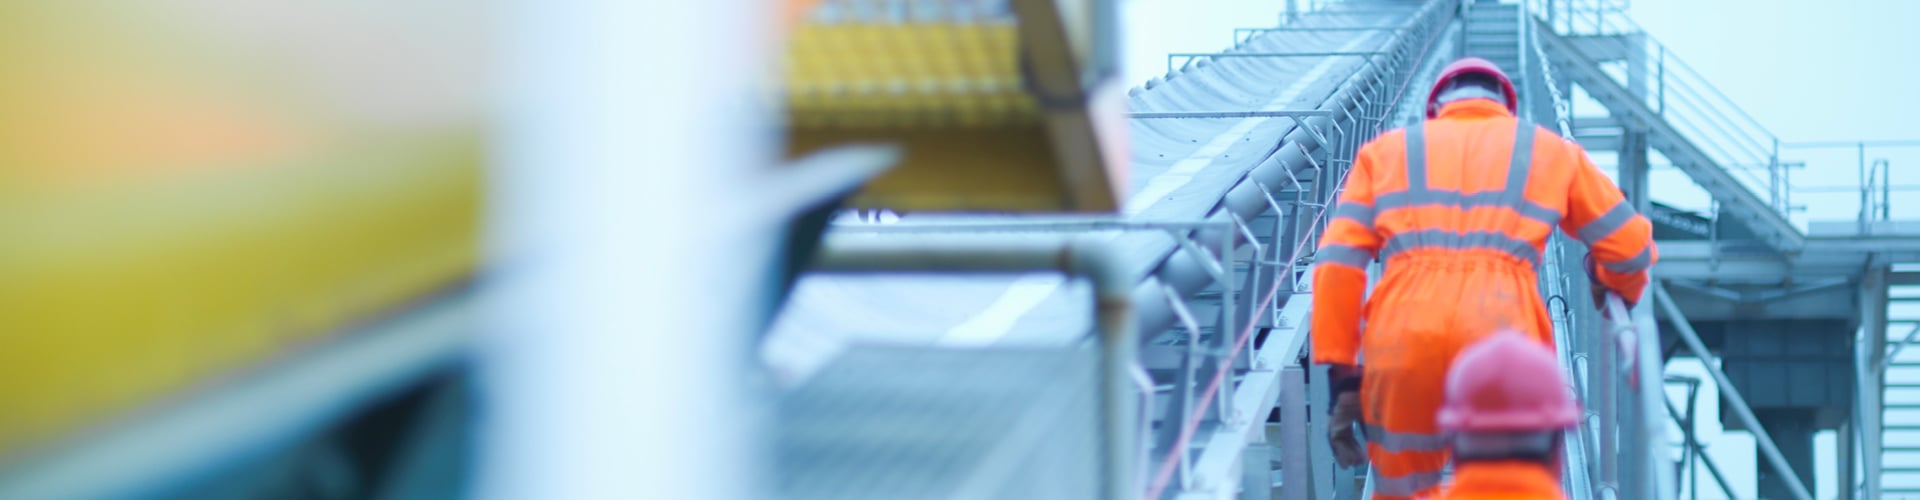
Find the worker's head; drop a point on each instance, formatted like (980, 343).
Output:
(1506, 399)
(1471, 78)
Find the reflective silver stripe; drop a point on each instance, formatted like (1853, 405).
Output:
(1436, 238)
(1636, 264)
(1514, 195)
(1408, 485)
(1404, 441)
(1522, 163)
(1344, 254)
(1417, 158)
(1606, 224)
(1456, 199)
(1356, 212)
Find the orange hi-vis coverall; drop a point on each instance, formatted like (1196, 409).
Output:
(1460, 217)
(1503, 481)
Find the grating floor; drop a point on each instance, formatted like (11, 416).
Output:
(896, 422)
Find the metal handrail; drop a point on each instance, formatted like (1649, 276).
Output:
(1172, 468)
(1683, 97)
(1616, 450)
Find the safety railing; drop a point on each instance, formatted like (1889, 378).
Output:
(1674, 90)
(1199, 398)
(1679, 95)
(1871, 193)
(1618, 450)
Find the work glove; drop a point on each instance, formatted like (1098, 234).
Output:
(1347, 450)
(1596, 288)
(1346, 446)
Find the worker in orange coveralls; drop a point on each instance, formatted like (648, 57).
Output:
(1459, 209)
(1506, 414)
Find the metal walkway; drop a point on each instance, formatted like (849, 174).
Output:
(1236, 155)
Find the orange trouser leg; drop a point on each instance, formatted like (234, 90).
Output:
(1404, 444)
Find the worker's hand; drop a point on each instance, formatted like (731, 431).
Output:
(1346, 447)
(1599, 293)
(1597, 289)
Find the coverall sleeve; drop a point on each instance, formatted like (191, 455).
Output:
(1620, 239)
(1340, 276)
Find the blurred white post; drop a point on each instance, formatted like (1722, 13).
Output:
(623, 281)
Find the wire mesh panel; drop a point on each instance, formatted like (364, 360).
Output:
(895, 422)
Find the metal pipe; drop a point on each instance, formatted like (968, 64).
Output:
(1086, 258)
(1229, 114)
(1738, 403)
(1216, 55)
(1700, 451)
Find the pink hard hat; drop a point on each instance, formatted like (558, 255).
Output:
(1466, 66)
(1507, 383)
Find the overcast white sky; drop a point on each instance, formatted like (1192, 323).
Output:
(1806, 70)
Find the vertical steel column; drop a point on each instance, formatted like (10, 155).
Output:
(1773, 179)
(1869, 355)
(1865, 188)
(1843, 444)
(574, 396)
(1296, 471)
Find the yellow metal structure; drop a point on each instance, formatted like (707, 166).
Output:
(191, 188)
(953, 94)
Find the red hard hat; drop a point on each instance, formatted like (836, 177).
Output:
(1507, 383)
(1472, 65)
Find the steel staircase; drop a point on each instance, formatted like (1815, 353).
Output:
(1900, 408)
(1493, 33)
(1704, 134)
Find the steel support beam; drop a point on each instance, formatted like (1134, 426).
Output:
(1844, 442)
(1823, 257)
(1736, 402)
(1870, 360)
(1634, 170)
